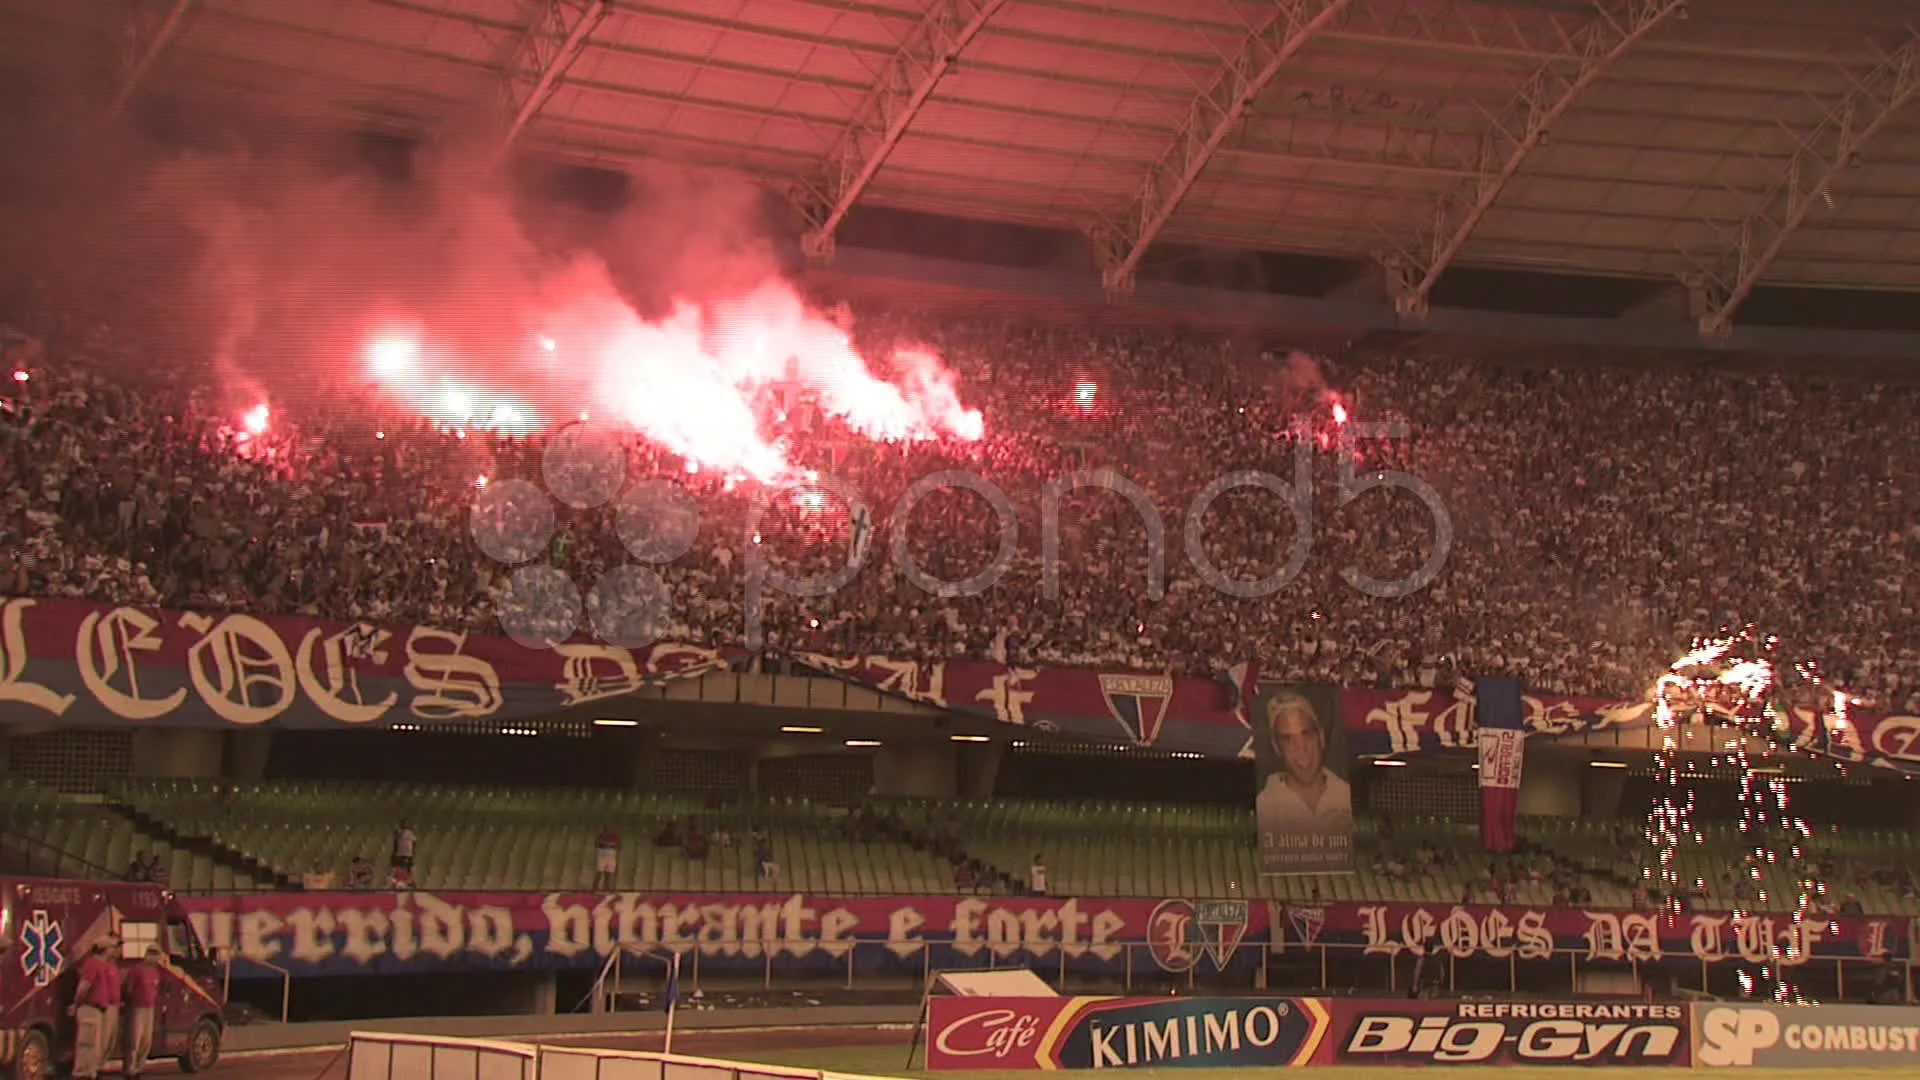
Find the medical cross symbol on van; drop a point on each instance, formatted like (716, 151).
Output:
(42, 959)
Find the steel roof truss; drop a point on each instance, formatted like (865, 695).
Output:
(554, 39)
(1213, 116)
(1821, 155)
(882, 118)
(1511, 135)
(1490, 31)
(146, 39)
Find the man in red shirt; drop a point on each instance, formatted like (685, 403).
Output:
(143, 994)
(95, 1009)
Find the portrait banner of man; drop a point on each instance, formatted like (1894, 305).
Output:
(1303, 806)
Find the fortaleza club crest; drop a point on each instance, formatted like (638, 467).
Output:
(1180, 932)
(1307, 922)
(1139, 704)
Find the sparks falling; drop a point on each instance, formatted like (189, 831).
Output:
(1732, 681)
(1670, 818)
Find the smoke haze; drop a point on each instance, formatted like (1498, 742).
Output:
(285, 264)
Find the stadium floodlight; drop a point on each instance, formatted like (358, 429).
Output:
(1214, 115)
(144, 49)
(1513, 133)
(1819, 158)
(554, 39)
(882, 118)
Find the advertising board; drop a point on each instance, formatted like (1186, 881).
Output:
(1506, 1033)
(1122, 1033)
(1806, 1036)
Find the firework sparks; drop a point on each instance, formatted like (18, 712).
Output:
(1733, 679)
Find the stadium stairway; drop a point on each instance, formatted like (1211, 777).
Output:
(246, 871)
(56, 835)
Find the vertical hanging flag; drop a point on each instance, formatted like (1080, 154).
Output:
(1243, 681)
(860, 536)
(1500, 715)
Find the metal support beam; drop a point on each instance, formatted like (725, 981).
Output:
(1819, 158)
(882, 118)
(558, 31)
(143, 49)
(1514, 132)
(1213, 116)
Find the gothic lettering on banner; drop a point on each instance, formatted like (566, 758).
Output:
(93, 664)
(358, 933)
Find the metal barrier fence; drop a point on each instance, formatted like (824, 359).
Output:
(1134, 967)
(381, 1056)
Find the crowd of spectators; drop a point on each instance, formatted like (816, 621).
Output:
(1598, 518)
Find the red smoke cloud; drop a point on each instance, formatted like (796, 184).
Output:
(462, 306)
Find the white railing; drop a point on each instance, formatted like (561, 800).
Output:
(286, 980)
(380, 1056)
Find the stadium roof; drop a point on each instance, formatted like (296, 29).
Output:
(1727, 144)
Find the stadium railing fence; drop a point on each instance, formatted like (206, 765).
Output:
(391, 1056)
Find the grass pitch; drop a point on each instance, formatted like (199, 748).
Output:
(889, 1061)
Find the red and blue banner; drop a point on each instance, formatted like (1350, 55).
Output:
(1398, 722)
(1122, 1033)
(1497, 932)
(1160, 710)
(349, 933)
(360, 933)
(95, 665)
(1382, 723)
(89, 664)
(1500, 708)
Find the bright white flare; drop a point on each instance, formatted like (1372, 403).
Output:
(697, 381)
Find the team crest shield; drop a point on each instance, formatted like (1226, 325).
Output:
(1180, 932)
(1222, 925)
(1307, 922)
(1138, 703)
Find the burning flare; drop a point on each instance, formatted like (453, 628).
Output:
(695, 381)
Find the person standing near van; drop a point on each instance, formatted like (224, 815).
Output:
(143, 995)
(95, 1010)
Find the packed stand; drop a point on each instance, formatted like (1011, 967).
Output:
(1600, 517)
